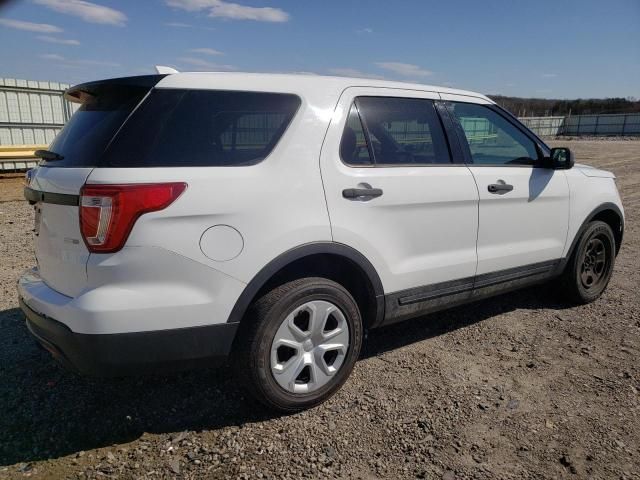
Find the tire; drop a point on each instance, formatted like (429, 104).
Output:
(591, 264)
(288, 351)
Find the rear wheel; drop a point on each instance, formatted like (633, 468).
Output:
(299, 343)
(591, 265)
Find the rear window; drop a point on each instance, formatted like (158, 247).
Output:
(88, 132)
(174, 128)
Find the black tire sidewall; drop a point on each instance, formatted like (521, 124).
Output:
(597, 227)
(313, 289)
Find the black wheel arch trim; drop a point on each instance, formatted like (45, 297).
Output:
(599, 209)
(302, 251)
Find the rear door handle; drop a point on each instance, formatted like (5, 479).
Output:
(364, 193)
(500, 188)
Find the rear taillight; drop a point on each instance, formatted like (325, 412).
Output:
(108, 212)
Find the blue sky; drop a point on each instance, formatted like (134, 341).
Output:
(541, 48)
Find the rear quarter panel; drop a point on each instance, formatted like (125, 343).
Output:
(276, 205)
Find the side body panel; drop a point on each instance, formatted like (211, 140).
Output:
(423, 228)
(526, 225)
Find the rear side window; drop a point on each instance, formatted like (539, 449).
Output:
(403, 131)
(353, 146)
(174, 128)
(88, 132)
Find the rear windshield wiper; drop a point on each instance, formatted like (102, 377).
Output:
(48, 155)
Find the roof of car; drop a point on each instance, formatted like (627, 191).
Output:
(295, 82)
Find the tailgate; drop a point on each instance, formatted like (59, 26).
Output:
(55, 186)
(60, 251)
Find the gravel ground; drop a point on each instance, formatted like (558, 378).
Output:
(519, 386)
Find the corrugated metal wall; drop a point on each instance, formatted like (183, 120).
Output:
(544, 126)
(614, 124)
(31, 112)
(578, 125)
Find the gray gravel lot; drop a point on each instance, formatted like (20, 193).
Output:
(519, 386)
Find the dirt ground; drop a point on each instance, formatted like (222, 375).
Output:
(519, 386)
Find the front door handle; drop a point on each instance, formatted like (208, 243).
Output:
(364, 192)
(500, 188)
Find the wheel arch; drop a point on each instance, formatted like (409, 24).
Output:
(609, 213)
(336, 261)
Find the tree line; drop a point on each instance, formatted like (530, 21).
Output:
(542, 107)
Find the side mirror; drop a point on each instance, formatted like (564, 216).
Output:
(560, 158)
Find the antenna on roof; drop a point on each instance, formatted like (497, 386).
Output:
(162, 70)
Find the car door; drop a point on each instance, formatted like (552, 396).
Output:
(396, 195)
(524, 207)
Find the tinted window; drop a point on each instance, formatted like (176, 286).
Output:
(202, 128)
(493, 140)
(353, 146)
(88, 132)
(403, 131)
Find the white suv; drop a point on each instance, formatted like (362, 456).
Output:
(273, 219)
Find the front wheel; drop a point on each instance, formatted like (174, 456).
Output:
(299, 343)
(591, 265)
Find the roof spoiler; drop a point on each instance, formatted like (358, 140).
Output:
(86, 91)
(163, 70)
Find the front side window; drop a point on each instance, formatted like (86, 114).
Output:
(400, 131)
(208, 128)
(492, 139)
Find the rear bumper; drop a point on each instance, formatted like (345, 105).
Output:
(123, 354)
